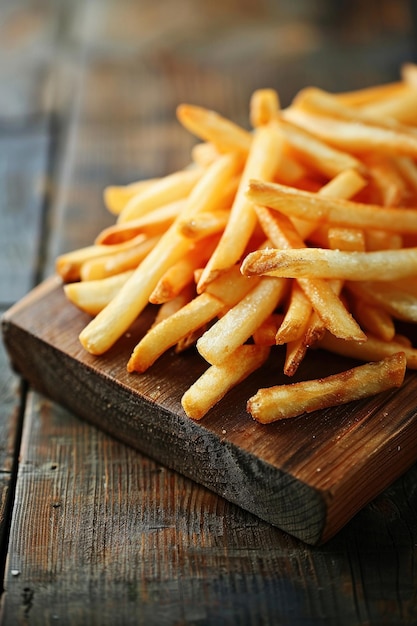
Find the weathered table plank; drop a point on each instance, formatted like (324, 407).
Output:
(120, 537)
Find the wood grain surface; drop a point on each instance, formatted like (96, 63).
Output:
(93, 531)
(307, 475)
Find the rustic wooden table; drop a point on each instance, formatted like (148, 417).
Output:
(91, 531)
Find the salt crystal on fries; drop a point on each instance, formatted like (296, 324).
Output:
(298, 233)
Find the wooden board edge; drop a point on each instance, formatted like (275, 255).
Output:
(179, 443)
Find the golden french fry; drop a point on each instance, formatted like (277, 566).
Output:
(150, 224)
(263, 161)
(399, 107)
(390, 185)
(336, 211)
(263, 107)
(205, 224)
(363, 381)
(316, 101)
(93, 295)
(374, 319)
(164, 191)
(210, 126)
(181, 273)
(322, 263)
(355, 136)
(168, 308)
(317, 154)
(204, 153)
(296, 317)
(399, 303)
(116, 196)
(69, 264)
(375, 93)
(266, 332)
(217, 380)
(370, 350)
(241, 321)
(119, 260)
(348, 239)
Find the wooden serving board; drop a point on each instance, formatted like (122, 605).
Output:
(307, 475)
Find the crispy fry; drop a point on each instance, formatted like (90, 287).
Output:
(370, 350)
(297, 315)
(263, 107)
(210, 126)
(355, 136)
(205, 224)
(150, 224)
(168, 189)
(400, 303)
(116, 196)
(317, 154)
(119, 260)
(217, 380)
(93, 295)
(69, 264)
(286, 401)
(374, 319)
(322, 263)
(336, 211)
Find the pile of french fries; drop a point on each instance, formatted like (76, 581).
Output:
(299, 233)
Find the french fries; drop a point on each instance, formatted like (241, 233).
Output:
(285, 401)
(296, 235)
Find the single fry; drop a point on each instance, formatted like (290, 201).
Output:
(335, 211)
(217, 380)
(374, 320)
(93, 295)
(150, 224)
(164, 191)
(117, 196)
(370, 350)
(355, 136)
(285, 401)
(296, 317)
(205, 224)
(317, 154)
(210, 126)
(322, 263)
(264, 107)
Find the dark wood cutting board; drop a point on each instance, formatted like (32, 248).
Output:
(307, 475)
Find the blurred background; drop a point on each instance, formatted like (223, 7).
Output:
(147, 53)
